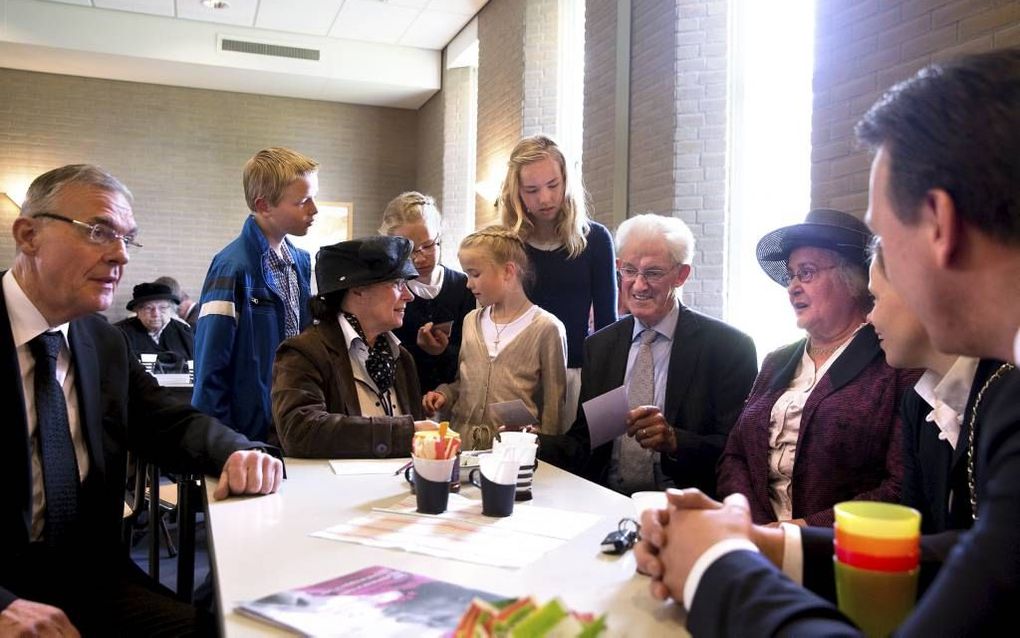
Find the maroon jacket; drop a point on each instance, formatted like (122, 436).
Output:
(850, 433)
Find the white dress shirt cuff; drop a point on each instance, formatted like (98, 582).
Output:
(793, 553)
(709, 556)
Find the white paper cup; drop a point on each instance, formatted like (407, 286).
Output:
(438, 470)
(648, 500)
(517, 438)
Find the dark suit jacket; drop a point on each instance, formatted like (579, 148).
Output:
(316, 409)
(935, 475)
(711, 368)
(121, 408)
(976, 588)
(850, 433)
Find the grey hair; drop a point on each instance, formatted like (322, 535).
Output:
(854, 276)
(677, 235)
(45, 188)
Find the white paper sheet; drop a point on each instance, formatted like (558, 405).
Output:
(607, 416)
(353, 467)
(513, 414)
(526, 519)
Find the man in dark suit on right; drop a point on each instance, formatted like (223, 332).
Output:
(700, 373)
(945, 201)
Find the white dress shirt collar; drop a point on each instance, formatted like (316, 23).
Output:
(948, 396)
(666, 326)
(428, 289)
(27, 322)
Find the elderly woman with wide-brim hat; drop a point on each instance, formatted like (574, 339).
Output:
(345, 387)
(822, 422)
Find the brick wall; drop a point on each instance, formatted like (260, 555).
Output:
(540, 67)
(431, 147)
(460, 88)
(181, 152)
(599, 144)
(699, 171)
(501, 26)
(865, 46)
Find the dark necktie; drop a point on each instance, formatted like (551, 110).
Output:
(59, 465)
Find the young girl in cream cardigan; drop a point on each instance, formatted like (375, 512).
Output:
(511, 348)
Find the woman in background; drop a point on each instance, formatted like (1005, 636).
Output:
(572, 257)
(434, 321)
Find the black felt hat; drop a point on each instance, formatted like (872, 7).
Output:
(823, 228)
(151, 292)
(360, 262)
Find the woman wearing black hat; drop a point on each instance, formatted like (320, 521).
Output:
(822, 422)
(153, 329)
(345, 387)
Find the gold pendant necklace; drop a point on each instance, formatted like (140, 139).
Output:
(496, 326)
(971, 481)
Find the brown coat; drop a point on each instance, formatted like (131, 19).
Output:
(315, 403)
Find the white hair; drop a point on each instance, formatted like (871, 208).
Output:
(677, 235)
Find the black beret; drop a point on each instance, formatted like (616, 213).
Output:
(360, 262)
(151, 292)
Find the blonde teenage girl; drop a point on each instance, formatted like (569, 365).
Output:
(512, 349)
(572, 257)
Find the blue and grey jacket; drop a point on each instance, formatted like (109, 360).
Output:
(240, 324)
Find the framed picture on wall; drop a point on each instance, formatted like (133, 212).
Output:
(333, 223)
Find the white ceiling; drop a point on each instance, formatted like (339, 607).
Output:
(380, 52)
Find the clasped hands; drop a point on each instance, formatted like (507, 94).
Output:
(674, 538)
(649, 428)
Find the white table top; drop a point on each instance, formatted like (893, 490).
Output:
(261, 545)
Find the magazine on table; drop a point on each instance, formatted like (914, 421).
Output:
(375, 601)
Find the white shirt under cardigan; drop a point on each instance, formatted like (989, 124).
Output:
(27, 323)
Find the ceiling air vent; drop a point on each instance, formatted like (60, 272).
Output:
(274, 50)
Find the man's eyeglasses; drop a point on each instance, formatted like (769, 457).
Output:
(652, 275)
(804, 273)
(428, 248)
(98, 233)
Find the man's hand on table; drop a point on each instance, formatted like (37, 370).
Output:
(249, 472)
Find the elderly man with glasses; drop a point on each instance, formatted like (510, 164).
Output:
(687, 375)
(153, 331)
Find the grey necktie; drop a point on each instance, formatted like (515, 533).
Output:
(59, 465)
(635, 463)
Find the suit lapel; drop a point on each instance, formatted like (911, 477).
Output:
(614, 358)
(682, 359)
(86, 376)
(858, 355)
(15, 471)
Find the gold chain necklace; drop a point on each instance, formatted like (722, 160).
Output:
(499, 331)
(971, 482)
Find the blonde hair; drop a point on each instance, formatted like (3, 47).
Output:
(269, 172)
(409, 208)
(572, 223)
(501, 246)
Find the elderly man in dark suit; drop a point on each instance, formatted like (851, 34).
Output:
(701, 371)
(945, 203)
(77, 401)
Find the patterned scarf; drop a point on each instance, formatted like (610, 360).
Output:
(381, 365)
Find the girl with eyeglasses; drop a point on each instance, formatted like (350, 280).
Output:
(434, 321)
(572, 256)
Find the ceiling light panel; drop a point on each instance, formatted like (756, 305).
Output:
(240, 12)
(372, 21)
(313, 17)
(433, 30)
(152, 7)
(465, 7)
